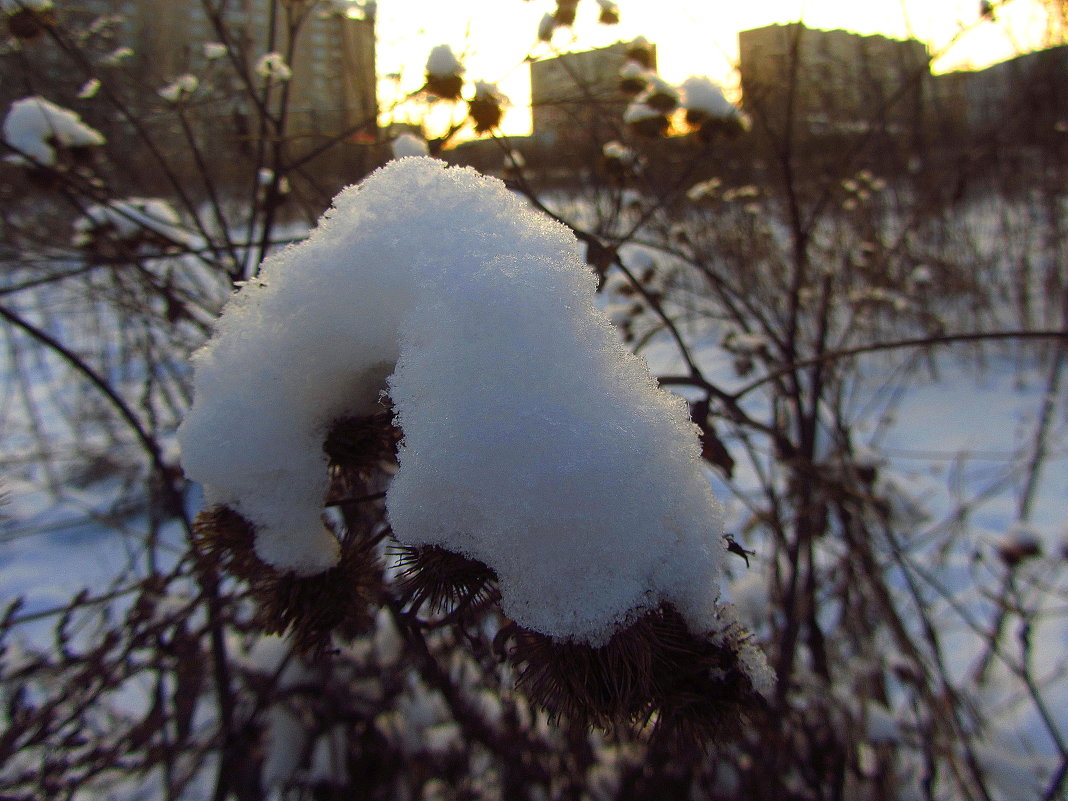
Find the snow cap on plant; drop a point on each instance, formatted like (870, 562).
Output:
(117, 56)
(540, 465)
(179, 88)
(89, 89)
(620, 161)
(645, 120)
(444, 73)
(642, 51)
(704, 190)
(272, 66)
(561, 466)
(707, 108)
(134, 221)
(619, 152)
(38, 128)
(214, 50)
(659, 95)
(633, 78)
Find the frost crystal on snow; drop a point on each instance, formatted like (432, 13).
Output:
(533, 440)
(35, 126)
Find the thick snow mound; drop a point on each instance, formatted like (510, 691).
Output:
(35, 126)
(533, 440)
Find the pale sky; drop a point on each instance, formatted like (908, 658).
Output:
(692, 36)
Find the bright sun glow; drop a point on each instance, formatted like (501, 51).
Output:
(495, 37)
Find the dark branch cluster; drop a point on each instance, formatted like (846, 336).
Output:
(312, 608)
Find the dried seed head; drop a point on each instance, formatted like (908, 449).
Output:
(447, 87)
(642, 52)
(228, 541)
(1014, 551)
(695, 687)
(443, 581)
(486, 113)
(29, 23)
(565, 12)
(362, 444)
(710, 128)
(312, 607)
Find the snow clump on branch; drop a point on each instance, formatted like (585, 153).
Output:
(130, 219)
(444, 73)
(273, 67)
(534, 441)
(37, 127)
(703, 96)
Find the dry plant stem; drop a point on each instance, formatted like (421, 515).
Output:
(49, 279)
(213, 195)
(32, 415)
(1026, 674)
(131, 119)
(902, 344)
(1040, 441)
(175, 505)
(696, 378)
(471, 722)
(956, 729)
(293, 22)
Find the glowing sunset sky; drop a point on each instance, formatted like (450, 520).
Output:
(692, 36)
